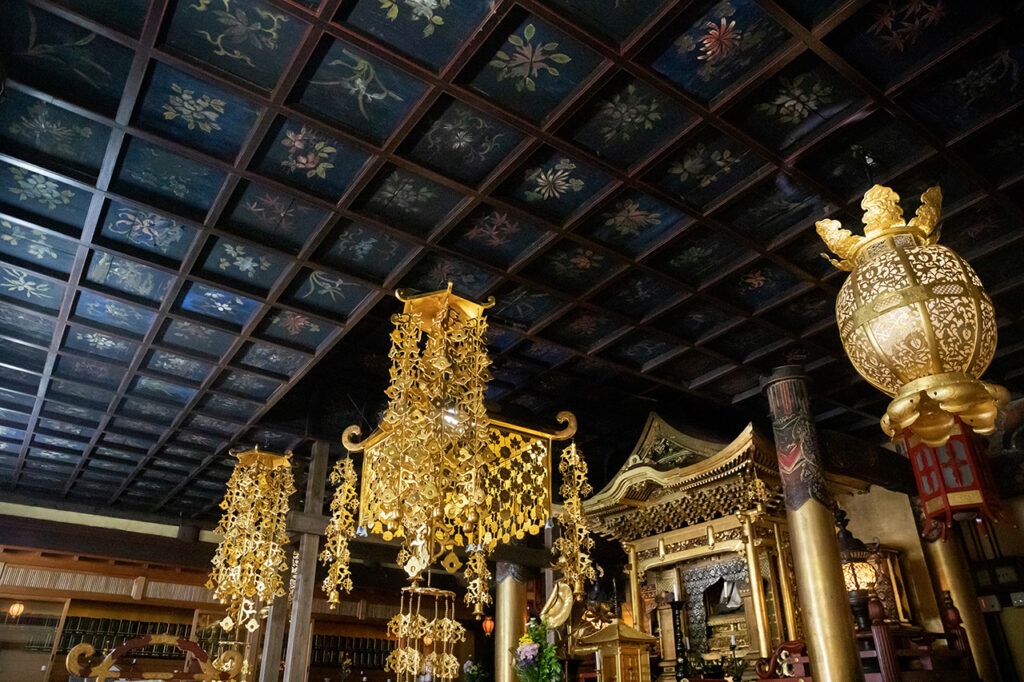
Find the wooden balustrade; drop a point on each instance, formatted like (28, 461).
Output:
(888, 653)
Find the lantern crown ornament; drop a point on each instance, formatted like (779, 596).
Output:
(882, 216)
(915, 319)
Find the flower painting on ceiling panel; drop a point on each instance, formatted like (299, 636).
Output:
(717, 45)
(758, 286)
(22, 285)
(707, 167)
(197, 338)
(247, 384)
(135, 319)
(890, 39)
(364, 251)
(634, 223)
(360, 93)
(243, 263)
(581, 329)
(435, 272)
(183, 185)
(555, 185)
(428, 30)
(129, 276)
(981, 81)
(572, 267)
(147, 230)
(195, 113)
(496, 236)
(630, 120)
(297, 329)
(20, 323)
(464, 143)
(408, 200)
(639, 295)
(273, 359)
(100, 343)
(274, 217)
(35, 246)
(330, 293)
(302, 156)
(35, 129)
(249, 39)
(800, 99)
(161, 390)
(535, 69)
(41, 198)
(523, 306)
(178, 365)
(219, 304)
(63, 59)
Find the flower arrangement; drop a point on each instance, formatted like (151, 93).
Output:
(473, 671)
(535, 659)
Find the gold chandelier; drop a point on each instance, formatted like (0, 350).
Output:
(439, 474)
(914, 319)
(250, 557)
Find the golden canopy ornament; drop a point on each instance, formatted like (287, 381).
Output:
(439, 474)
(248, 562)
(914, 319)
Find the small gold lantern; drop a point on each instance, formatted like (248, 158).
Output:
(623, 653)
(914, 319)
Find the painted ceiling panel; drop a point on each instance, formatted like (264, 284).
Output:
(199, 207)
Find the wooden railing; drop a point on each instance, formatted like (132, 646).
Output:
(888, 654)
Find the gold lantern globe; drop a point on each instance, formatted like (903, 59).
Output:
(914, 319)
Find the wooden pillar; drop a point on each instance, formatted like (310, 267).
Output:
(273, 641)
(300, 635)
(828, 626)
(951, 573)
(509, 618)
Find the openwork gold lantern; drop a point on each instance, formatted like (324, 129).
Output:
(249, 560)
(914, 319)
(439, 474)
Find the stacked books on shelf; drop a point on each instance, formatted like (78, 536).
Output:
(105, 634)
(330, 651)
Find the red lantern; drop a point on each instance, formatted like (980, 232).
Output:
(953, 480)
(488, 626)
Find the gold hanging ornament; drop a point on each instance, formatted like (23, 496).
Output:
(572, 549)
(249, 560)
(426, 632)
(438, 473)
(340, 529)
(914, 319)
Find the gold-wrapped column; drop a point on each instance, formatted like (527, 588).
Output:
(951, 573)
(788, 603)
(756, 587)
(509, 618)
(634, 590)
(828, 625)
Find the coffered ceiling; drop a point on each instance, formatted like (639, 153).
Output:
(201, 199)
